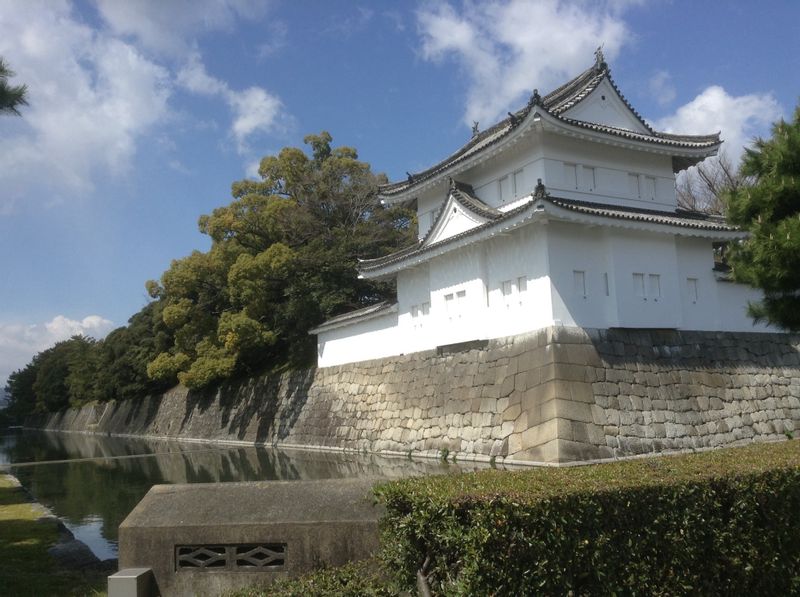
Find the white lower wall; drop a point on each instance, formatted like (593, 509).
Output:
(360, 341)
(543, 275)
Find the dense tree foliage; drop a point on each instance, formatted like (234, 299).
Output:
(11, 96)
(283, 258)
(768, 206)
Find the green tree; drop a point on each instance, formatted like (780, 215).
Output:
(283, 258)
(768, 207)
(11, 96)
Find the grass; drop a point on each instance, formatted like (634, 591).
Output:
(25, 566)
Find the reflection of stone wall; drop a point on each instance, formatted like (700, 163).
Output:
(557, 395)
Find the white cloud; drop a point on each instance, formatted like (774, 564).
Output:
(20, 342)
(254, 110)
(506, 47)
(169, 27)
(91, 98)
(96, 92)
(738, 118)
(661, 87)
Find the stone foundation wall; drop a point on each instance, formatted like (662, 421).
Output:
(555, 396)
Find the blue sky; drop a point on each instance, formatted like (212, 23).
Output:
(142, 113)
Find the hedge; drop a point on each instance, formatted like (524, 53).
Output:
(723, 522)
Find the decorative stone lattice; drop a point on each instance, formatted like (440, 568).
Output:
(268, 555)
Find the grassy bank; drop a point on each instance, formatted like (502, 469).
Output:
(25, 536)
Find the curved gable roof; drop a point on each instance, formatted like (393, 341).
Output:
(555, 104)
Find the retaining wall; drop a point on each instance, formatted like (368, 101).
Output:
(556, 396)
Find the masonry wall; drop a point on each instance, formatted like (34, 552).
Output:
(555, 396)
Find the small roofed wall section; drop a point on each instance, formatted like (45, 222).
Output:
(373, 338)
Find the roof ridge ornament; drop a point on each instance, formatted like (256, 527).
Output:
(410, 177)
(540, 192)
(535, 99)
(512, 118)
(475, 129)
(599, 59)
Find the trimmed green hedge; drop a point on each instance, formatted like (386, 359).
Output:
(722, 522)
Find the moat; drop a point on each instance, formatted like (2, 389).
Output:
(92, 482)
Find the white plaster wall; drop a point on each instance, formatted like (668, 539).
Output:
(700, 310)
(413, 288)
(577, 249)
(733, 299)
(647, 254)
(360, 341)
(455, 320)
(603, 106)
(612, 165)
(523, 254)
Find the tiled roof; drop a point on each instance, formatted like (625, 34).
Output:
(465, 195)
(352, 316)
(679, 218)
(555, 104)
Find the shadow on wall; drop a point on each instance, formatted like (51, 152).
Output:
(272, 403)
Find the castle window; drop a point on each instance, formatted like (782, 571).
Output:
(649, 191)
(504, 185)
(519, 188)
(654, 286)
(588, 178)
(638, 286)
(579, 282)
(691, 284)
(522, 284)
(605, 283)
(570, 176)
(633, 185)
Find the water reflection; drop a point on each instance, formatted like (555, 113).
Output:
(97, 480)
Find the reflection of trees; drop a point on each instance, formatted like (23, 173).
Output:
(109, 487)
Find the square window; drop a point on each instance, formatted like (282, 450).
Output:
(426, 308)
(522, 284)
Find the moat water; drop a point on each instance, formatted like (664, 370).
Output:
(92, 482)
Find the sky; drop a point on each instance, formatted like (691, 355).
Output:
(141, 114)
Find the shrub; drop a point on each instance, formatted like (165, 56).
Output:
(721, 522)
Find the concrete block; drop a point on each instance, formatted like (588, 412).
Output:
(213, 538)
(132, 582)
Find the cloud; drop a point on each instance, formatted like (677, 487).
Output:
(738, 118)
(504, 48)
(169, 27)
(661, 87)
(96, 92)
(20, 342)
(254, 110)
(91, 98)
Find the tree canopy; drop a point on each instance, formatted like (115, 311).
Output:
(11, 96)
(283, 259)
(768, 206)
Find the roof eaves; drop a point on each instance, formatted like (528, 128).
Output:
(376, 310)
